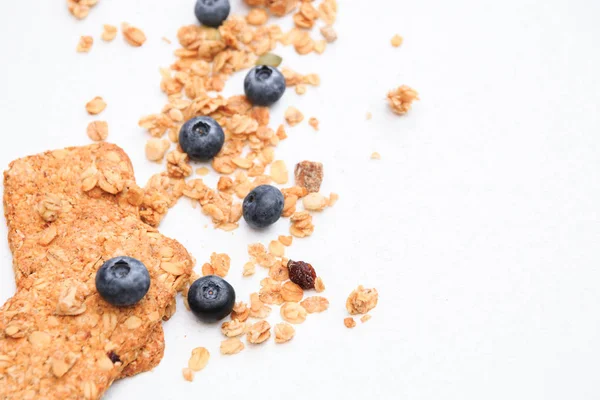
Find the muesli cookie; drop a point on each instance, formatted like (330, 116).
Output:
(59, 339)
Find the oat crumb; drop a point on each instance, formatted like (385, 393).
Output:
(361, 300)
(401, 99)
(314, 123)
(166, 40)
(257, 16)
(349, 322)
(95, 106)
(397, 41)
(369, 116)
(203, 171)
(97, 130)
(134, 36)
(365, 318)
(188, 374)
(329, 34)
(109, 33)
(293, 116)
(85, 44)
(300, 89)
(375, 156)
(156, 148)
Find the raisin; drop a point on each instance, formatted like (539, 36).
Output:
(114, 357)
(302, 274)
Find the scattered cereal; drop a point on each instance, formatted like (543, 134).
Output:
(257, 16)
(166, 40)
(283, 332)
(401, 99)
(188, 374)
(397, 40)
(231, 346)
(95, 106)
(329, 34)
(85, 44)
(314, 123)
(80, 8)
(300, 89)
(301, 224)
(276, 248)
(241, 311)
(293, 313)
(361, 300)
(233, 328)
(249, 269)
(109, 33)
(220, 264)
(309, 175)
(156, 148)
(97, 130)
(375, 156)
(319, 285)
(369, 115)
(279, 172)
(349, 322)
(291, 292)
(333, 198)
(285, 240)
(365, 318)
(203, 171)
(134, 36)
(259, 332)
(293, 116)
(199, 359)
(315, 202)
(315, 304)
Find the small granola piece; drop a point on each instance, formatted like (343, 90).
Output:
(156, 148)
(286, 240)
(279, 172)
(293, 313)
(302, 274)
(361, 300)
(97, 130)
(240, 312)
(309, 175)
(188, 374)
(271, 293)
(134, 36)
(300, 89)
(259, 332)
(291, 292)
(365, 318)
(257, 16)
(369, 115)
(220, 263)
(249, 269)
(293, 116)
(231, 346)
(282, 7)
(312, 121)
(199, 359)
(401, 99)
(178, 165)
(315, 304)
(279, 272)
(375, 156)
(397, 40)
(233, 328)
(284, 332)
(301, 224)
(315, 202)
(80, 8)
(276, 248)
(85, 44)
(109, 33)
(320, 46)
(349, 322)
(319, 285)
(258, 309)
(333, 198)
(166, 40)
(95, 106)
(203, 171)
(329, 33)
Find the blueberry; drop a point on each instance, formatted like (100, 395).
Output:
(263, 206)
(122, 281)
(201, 138)
(211, 298)
(264, 85)
(212, 12)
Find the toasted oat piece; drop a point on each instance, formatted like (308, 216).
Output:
(59, 236)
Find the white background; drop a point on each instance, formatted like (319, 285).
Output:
(479, 227)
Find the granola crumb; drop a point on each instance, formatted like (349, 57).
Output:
(97, 130)
(85, 44)
(188, 374)
(199, 359)
(309, 175)
(300, 89)
(365, 318)
(257, 16)
(293, 116)
(361, 300)
(156, 148)
(259, 332)
(293, 313)
(375, 156)
(249, 269)
(109, 33)
(203, 171)
(315, 202)
(284, 332)
(319, 285)
(279, 172)
(231, 346)
(301, 224)
(329, 33)
(80, 8)
(401, 99)
(369, 115)
(95, 106)
(397, 40)
(314, 123)
(333, 198)
(166, 40)
(134, 36)
(349, 322)
(285, 240)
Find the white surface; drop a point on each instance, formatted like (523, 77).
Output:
(479, 226)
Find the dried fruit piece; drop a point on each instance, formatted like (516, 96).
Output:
(199, 359)
(315, 304)
(309, 175)
(270, 59)
(259, 332)
(361, 300)
(231, 346)
(283, 332)
(302, 274)
(349, 322)
(293, 313)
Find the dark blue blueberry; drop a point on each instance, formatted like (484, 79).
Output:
(264, 85)
(212, 12)
(211, 298)
(263, 206)
(122, 281)
(201, 138)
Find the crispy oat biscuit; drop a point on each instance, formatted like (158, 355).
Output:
(67, 212)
